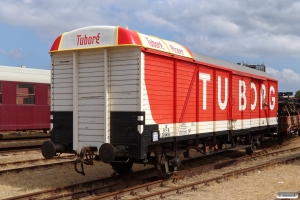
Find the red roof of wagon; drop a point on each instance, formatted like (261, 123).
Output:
(108, 36)
(113, 36)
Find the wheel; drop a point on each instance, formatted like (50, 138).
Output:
(163, 167)
(220, 145)
(248, 141)
(281, 138)
(122, 168)
(249, 151)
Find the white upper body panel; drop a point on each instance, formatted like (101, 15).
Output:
(22, 74)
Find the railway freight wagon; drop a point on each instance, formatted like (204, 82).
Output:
(127, 97)
(24, 99)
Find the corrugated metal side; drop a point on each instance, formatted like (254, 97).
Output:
(273, 103)
(222, 108)
(144, 94)
(62, 82)
(124, 66)
(159, 79)
(91, 98)
(186, 85)
(188, 98)
(254, 102)
(206, 99)
(237, 114)
(264, 108)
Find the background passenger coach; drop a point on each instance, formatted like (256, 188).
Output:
(135, 98)
(24, 99)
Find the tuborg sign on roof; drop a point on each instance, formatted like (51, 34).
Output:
(108, 36)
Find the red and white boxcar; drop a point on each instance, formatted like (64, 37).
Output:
(124, 94)
(24, 99)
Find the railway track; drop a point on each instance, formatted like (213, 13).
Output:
(178, 190)
(32, 164)
(13, 150)
(20, 144)
(118, 187)
(76, 191)
(164, 188)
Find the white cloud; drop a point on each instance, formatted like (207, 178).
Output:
(155, 20)
(288, 79)
(217, 28)
(15, 52)
(285, 75)
(2, 51)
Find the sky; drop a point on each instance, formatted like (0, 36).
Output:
(250, 31)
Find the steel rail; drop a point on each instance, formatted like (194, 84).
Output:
(99, 190)
(18, 169)
(218, 179)
(110, 190)
(199, 170)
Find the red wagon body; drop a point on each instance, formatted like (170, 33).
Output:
(126, 96)
(24, 99)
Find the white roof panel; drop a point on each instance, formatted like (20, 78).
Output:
(229, 65)
(22, 74)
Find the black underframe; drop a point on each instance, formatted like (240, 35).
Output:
(124, 132)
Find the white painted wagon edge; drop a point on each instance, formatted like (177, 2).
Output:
(106, 97)
(213, 126)
(75, 100)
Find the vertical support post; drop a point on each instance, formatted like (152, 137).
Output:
(75, 101)
(215, 96)
(197, 101)
(230, 102)
(51, 90)
(106, 98)
(259, 100)
(176, 127)
(242, 111)
(141, 91)
(141, 79)
(141, 83)
(267, 107)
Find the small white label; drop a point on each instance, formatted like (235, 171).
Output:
(155, 136)
(287, 195)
